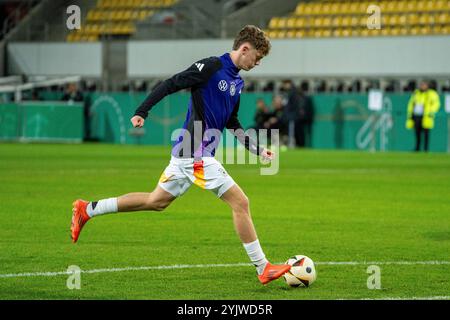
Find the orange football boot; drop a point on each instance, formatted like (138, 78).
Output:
(79, 218)
(273, 272)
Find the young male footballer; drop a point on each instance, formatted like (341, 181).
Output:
(215, 87)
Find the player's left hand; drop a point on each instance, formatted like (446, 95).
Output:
(267, 155)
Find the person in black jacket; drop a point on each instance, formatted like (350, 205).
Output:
(261, 115)
(303, 125)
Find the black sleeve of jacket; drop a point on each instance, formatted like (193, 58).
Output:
(234, 124)
(196, 75)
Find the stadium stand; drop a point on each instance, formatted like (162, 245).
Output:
(116, 17)
(337, 18)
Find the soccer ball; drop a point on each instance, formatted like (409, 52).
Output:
(302, 273)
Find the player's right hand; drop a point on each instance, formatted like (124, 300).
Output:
(137, 121)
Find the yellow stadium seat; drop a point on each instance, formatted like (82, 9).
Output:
(346, 32)
(282, 23)
(392, 20)
(402, 6)
(411, 6)
(364, 32)
(300, 33)
(290, 22)
(317, 33)
(282, 34)
(274, 23)
(424, 19)
(326, 21)
(414, 30)
(343, 7)
(426, 30)
(290, 34)
(337, 21)
(413, 19)
(363, 21)
(443, 18)
(316, 8)
(317, 22)
(391, 6)
(403, 31)
(307, 9)
(362, 8)
(134, 15)
(374, 32)
(420, 5)
(327, 33)
(299, 10)
(354, 7)
(437, 29)
(337, 32)
(430, 5)
(394, 31)
(299, 22)
(143, 14)
(402, 19)
(90, 15)
(355, 32)
(346, 21)
(335, 8)
(127, 15)
(92, 38)
(326, 9)
(272, 34)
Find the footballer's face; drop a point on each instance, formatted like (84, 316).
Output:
(250, 57)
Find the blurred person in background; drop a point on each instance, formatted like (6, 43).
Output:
(303, 125)
(276, 119)
(72, 94)
(262, 114)
(422, 107)
(291, 111)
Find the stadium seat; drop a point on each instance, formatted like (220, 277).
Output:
(300, 33)
(393, 20)
(118, 17)
(282, 23)
(353, 8)
(326, 22)
(316, 8)
(413, 19)
(290, 34)
(337, 21)
(290, 23)
(426, 30)
(299, 23)
(299, 10)
(349, 18)
(317, 22)
(274, 23)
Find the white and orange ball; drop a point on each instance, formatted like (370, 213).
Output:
(302, 273)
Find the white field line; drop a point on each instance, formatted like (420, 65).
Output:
(411, 298)
(192, 266)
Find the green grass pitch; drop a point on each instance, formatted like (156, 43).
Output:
(333, 206)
